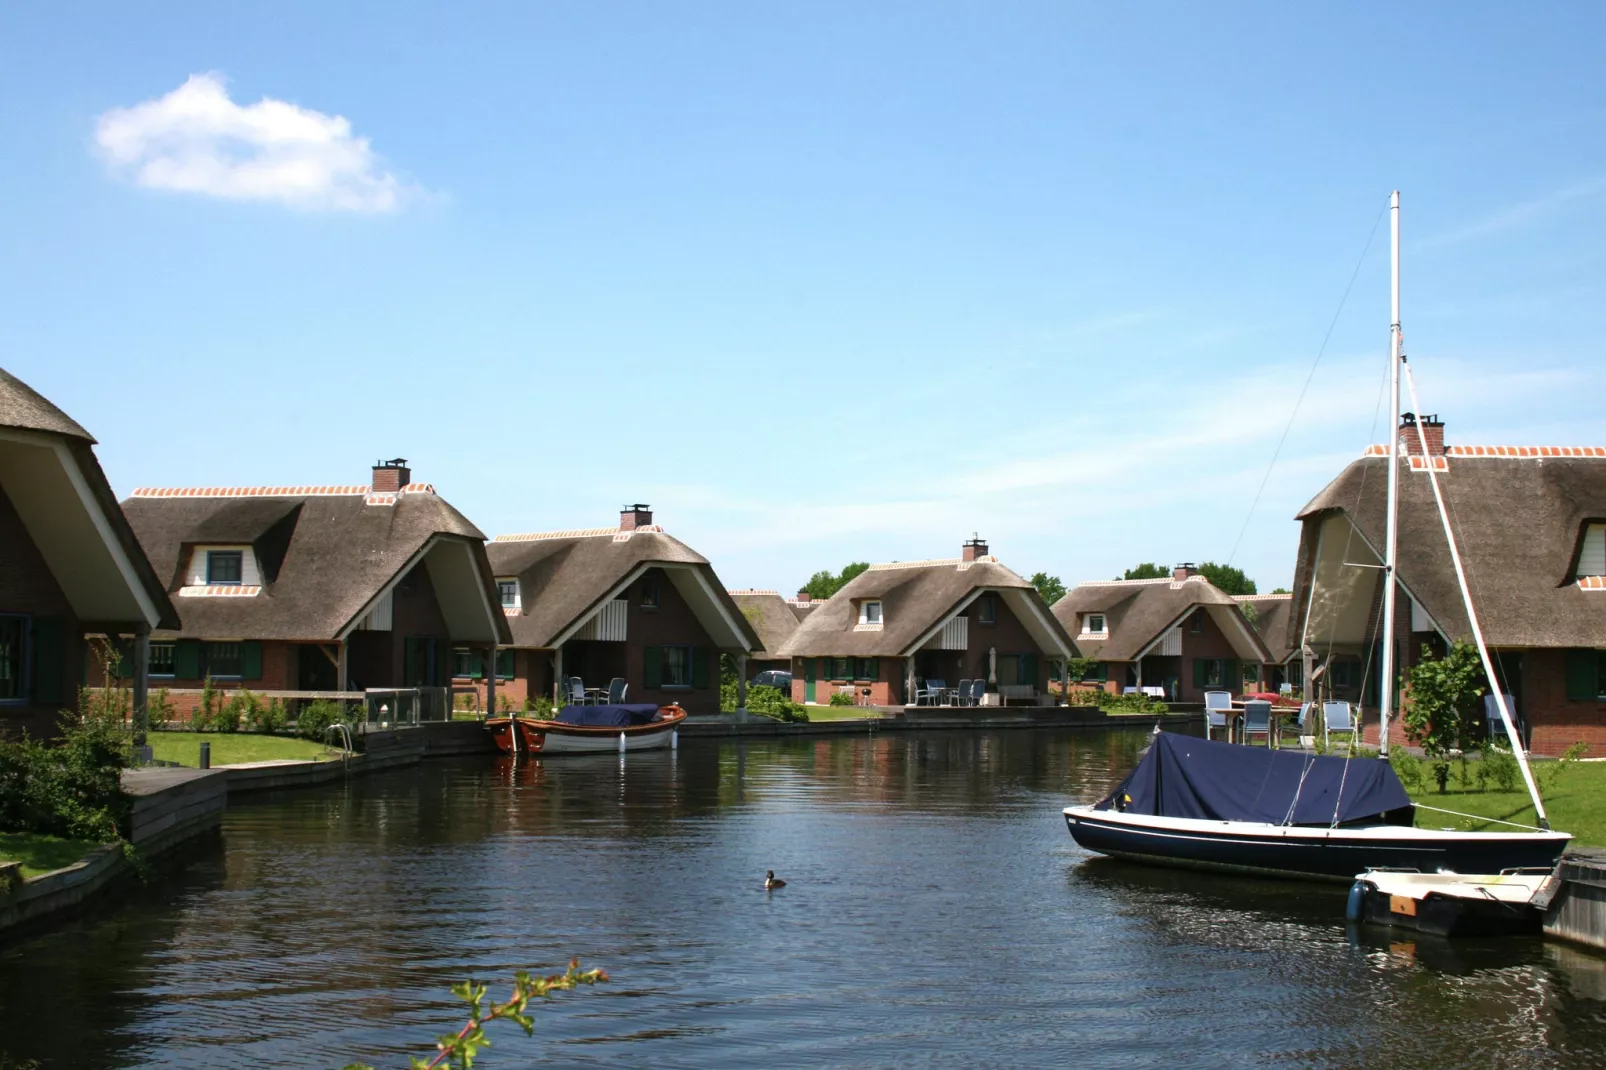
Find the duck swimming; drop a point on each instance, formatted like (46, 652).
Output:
(772, 882)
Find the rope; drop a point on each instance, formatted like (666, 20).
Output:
(1305, 389)
(1480, 817)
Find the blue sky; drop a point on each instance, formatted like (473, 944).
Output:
(820, 282)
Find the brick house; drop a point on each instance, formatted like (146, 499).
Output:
(775, 619)
(307, 591)
(1530, 523)
(896, 624)
(631, 602)
(1183, 634)
(70, 567)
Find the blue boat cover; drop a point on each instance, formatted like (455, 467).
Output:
(1186, 777)
(609, 716)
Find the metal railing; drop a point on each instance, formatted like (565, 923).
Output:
(394, 707)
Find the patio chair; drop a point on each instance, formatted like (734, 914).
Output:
(1129, 691)
(1338, 718)
(577, 692)
(1218, 708)
(616, 690)
(962, 693)
(1491, 718)
(1257, 720)
(927, 692)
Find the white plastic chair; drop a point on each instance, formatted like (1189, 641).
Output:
(1218, 707)
(577, 692)
(1338, 718)
(1491, 718)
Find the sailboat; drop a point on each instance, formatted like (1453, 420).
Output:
(1206, 804)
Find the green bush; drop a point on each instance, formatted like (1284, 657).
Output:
(269, 718)
(315, 718)
(539, 707)
(70, 788)
(773, 702)
(838, 698)
(159, 709)
(230, 713)
(1407, 766)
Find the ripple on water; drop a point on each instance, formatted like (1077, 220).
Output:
(936, 914)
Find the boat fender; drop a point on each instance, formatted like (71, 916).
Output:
(1355, 907)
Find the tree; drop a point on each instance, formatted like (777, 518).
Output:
(824, 583)
(1148, 571)
(1441, 705)
(1282, 590)
(1228, 579)
(1048, 586)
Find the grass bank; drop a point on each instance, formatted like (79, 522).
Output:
(841, 713)
(41, 854)
(233, 748)
(1574, 794)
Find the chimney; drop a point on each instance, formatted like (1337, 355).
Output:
(1432, 430)
(973, 548)
(804, 598)
(635, 516)
(1183, 571)
(391, 476)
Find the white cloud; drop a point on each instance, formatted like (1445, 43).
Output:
(197, 140)
(1517, 215)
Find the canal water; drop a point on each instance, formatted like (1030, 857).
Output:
(936, 914)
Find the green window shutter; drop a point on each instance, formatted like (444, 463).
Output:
(187, 659)
(655, 667)
(1583, 675)
(1229, 675)
(476, 665)
(49, 658)
(504, 664)
(1199, 672)
(1028, 669)
(250, 660)
(699, 667)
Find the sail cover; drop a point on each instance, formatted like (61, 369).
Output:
(618, 716)
(1199, 778)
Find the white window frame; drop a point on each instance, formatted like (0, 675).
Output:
(517, 602)
(1103, 624)
(865, 616)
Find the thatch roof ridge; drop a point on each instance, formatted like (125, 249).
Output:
(23, 407)
(1136, 611)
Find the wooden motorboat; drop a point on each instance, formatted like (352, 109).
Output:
(588, 729)
(1450, 904)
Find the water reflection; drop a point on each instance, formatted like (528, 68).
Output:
(936, 912)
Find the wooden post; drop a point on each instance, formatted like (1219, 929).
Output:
(1065, 679)
(142, 682)
(490, 681)
(340, 672)
(741, 682)
(909, 680)
(557, 678)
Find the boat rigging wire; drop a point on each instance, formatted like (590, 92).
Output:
(1479, 817)
(1305, 389)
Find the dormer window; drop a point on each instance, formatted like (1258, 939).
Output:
(224, 567)
(1592, 555)
(649, 593)
(869, 612)
(509, 592)
(1095, 624)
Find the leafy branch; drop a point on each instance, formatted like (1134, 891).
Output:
(459, 1050)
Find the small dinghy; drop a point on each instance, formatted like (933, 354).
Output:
(1450, 904)
(589, 729)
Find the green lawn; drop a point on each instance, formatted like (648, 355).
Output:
(231, 748)
(41, 854)
(841, 713)
(1574, 794)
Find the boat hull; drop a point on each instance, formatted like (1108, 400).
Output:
(1336, 854)
(531, 736)
(1496, 905)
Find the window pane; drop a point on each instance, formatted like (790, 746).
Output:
(649, 593)
(223, 566)
(509, 590)
(677, 666)
(13, 633)
(222, 659)
(161, 659)
(462, 662)
(872, 612)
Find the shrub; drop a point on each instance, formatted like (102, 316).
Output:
(160, 709)
(206, 710)
(268, 718)
(1407, 766)
(230, 712)
(315, 718)
(838, 698)
(539, 707)
(72, 788)
(773, 702)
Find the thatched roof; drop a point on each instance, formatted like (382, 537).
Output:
(325, 557)
(108, 581)
(566, 576)
(23, 407)
(1519, 519)
(1138, 612)
(773, 617)
(1272, 613)
(917, 598)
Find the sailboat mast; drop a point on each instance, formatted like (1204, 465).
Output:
(1391, 538)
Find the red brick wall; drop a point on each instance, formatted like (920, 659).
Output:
(28, 586)
(1555, 721)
